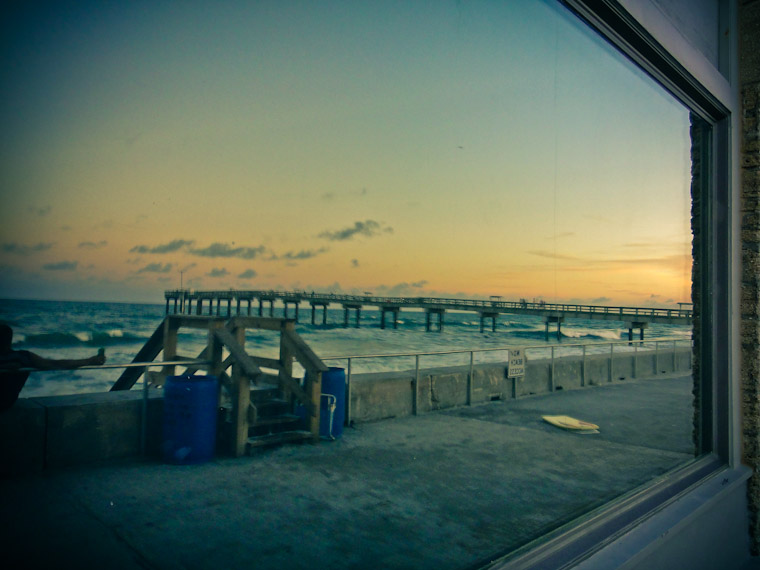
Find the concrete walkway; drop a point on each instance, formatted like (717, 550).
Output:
(444, 490)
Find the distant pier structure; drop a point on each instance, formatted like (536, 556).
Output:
(185, 301)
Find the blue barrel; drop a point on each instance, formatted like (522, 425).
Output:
(333, 383)
(190, 415)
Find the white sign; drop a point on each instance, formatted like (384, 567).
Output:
(516, 363)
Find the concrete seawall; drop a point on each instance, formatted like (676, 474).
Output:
(384, 395)
(64, 431)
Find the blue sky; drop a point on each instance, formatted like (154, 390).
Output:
(454, 148)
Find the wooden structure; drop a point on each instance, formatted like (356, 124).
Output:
(258, 396)
(196, 302)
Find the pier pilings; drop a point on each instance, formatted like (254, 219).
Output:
(634, 317)
(261, 306)
(428, 319)
(287, 303)
(554, 319)
(314, 311)
(641, 325)
(488, 315)
(394, 311)
(348, 307)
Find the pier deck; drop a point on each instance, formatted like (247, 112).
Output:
(202, 302)
(443, 490)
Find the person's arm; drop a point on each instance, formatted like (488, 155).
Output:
(42, 363)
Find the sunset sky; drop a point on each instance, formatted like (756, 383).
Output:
(403, 148)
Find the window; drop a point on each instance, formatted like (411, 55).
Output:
(533, 150)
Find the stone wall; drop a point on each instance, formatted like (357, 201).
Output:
(749, 69)
(698, 132)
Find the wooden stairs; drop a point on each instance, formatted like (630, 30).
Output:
(271, 421)
(257, 407)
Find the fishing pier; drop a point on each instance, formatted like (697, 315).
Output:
(184, 301)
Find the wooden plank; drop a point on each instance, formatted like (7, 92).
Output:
(214, 348)
(300, 394)
(314, 389)
(170, 344)
(242, 389)
(271, 379)
(303, 353)
(279, 438)
(201, 356)
(253, 413)
(148, 353)
(286, 369)
(277, 420)
(225, 381)
(229, 361)
(262, 362)
(241, 356)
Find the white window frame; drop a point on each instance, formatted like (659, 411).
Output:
(710, 93)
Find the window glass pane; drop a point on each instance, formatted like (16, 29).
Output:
(492, 153)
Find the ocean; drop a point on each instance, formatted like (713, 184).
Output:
(67, 329)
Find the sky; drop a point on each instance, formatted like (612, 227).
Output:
(454, 149)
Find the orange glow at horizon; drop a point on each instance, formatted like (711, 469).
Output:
(503, 152)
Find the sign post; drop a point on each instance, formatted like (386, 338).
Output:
(516, 368)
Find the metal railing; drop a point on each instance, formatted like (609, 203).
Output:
(539, 352)
(555, 352)
(228, 334)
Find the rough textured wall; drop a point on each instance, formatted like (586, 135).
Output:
(696, 132)
(749, 69)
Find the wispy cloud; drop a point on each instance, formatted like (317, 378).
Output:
(23, 249)
(41, 211)
(676, 262)
(92, 244)
(61, 266)
(156, 268)
(247, 274)
(367, 228)
(170, 247)
(225, 250)
(218, 272)
(669, 245)
(300, 255)
(551, 255)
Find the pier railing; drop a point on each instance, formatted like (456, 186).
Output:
(225, 350)
(183, 296)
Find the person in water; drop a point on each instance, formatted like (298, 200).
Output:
(13, 378)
